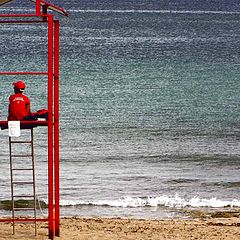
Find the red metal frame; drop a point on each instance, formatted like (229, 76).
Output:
(23, 73)
(56, 126)
(50, 129)
(53, 109)
(25, 220)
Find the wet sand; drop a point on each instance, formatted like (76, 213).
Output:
(119, 229)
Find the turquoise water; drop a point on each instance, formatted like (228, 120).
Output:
(149, 110)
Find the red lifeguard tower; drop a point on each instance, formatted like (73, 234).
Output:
(41, 16)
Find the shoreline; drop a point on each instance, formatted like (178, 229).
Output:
(100, 228)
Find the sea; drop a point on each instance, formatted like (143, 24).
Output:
(149, 106)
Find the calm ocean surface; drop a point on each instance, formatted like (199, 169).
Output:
(149, 107)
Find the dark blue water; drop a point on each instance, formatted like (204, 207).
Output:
(149, 106)
(199, 5)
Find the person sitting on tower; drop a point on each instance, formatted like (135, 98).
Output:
(19, 105)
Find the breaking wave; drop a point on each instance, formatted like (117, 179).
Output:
(171, 202)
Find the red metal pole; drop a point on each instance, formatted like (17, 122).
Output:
(38, 7)
(56, 127)
(50, 129)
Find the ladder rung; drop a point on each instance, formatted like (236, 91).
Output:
(25, 155)
(22, 169)
(21, 142)
(21, 182)
(24, 209)
(23, 196)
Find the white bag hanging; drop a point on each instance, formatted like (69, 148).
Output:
(14, 129)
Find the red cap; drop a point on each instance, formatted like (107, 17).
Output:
(19, 85)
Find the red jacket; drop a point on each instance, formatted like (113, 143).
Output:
(19, 106)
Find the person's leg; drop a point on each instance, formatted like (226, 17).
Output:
(30, 118)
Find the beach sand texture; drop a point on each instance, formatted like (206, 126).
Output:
(115, 228)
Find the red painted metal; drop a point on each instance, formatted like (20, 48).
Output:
(22, 15)
(50, 130)
(26, 124)
(24, 220)
(23, 73)
(56, 127)
(53, 107)
(21, 22)
(38, 7)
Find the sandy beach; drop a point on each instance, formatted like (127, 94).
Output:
(116, 228)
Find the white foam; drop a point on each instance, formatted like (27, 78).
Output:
(172, 202)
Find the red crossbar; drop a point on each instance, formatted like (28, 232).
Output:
(23, 73)
(23, 15)
(24, 220)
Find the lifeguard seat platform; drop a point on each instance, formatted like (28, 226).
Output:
(25, 124)
(41, 16)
